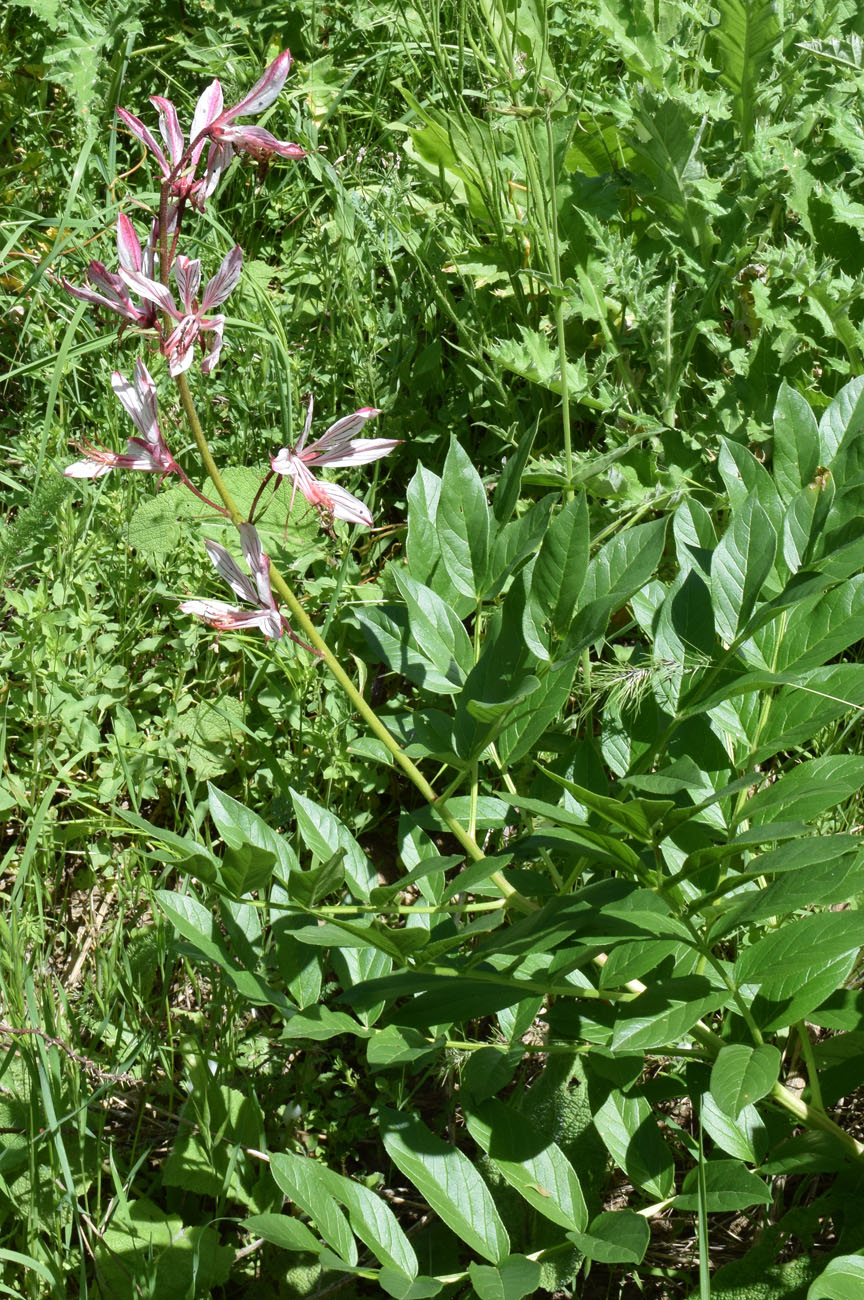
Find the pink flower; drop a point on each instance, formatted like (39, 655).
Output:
(228, 139)
(337, 448)
(149, 452)
(226, 617)
(180, 171)
(113, 293)
(191, 321)
(211, 122)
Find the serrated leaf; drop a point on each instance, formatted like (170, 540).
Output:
(516, 1277)
(284, 1231)
(558, 574)
(463, 523)
(374, 1223)
(632, 1137)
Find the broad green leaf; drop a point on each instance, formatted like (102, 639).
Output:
(509, 483)
(745, 38)
(831, 878)
(435, 630)
(321, 1024)
(729, 1186)
(744, 1138)
(743, 476)
(800, 947)
(305, 1183)
(796, 443)
(463, 523)
(632, 1137)
(842, 420)
(799, 711)
(664, 1013)
(633, 36)
(740, 564)
(615, 1237)
(401, 1287)
(742, 1075)
(421, 544)
(283, 1230)
(387, 629)
(323, 834)
(518, 1276)
(399, 1045)
(630, 815)
(841, 1279)
(810, 788)
(625, 563)
(529, 1161)
(819, 629)
(489, 1070)
(559, 572)
(449, 1182)
(198, 860)
(195, 923)
(525, 726)
(374, 1223)
(233, 818)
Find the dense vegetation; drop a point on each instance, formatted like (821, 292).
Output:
(508, 943)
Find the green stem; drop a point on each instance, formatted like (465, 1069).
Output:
(303, 622)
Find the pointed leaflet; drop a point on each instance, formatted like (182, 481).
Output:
(739, 567)
(796, 443)
(463, 523)
(559, 571)
(841, 1279)
(374, 1222)
(529, 1161)
(324, 835)
(517, 1277)
(632, 1137)
(449, 1182)
(742, 1075)
(728, 1186)
(615, 1237)
(304, 1182)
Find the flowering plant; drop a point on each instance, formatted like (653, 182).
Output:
(138, 292)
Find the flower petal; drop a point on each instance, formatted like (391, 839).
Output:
(129, 252)
(260, 143)
(139, 401)
(228, 617)
(137, 127)
(152, 290)
(86, 469)
(187, 273)
(344, 505)
(207, 110)
(359, 452)
(169, 127)
(265, 91)
(229, 571)
(214, 325)
(225, 279)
